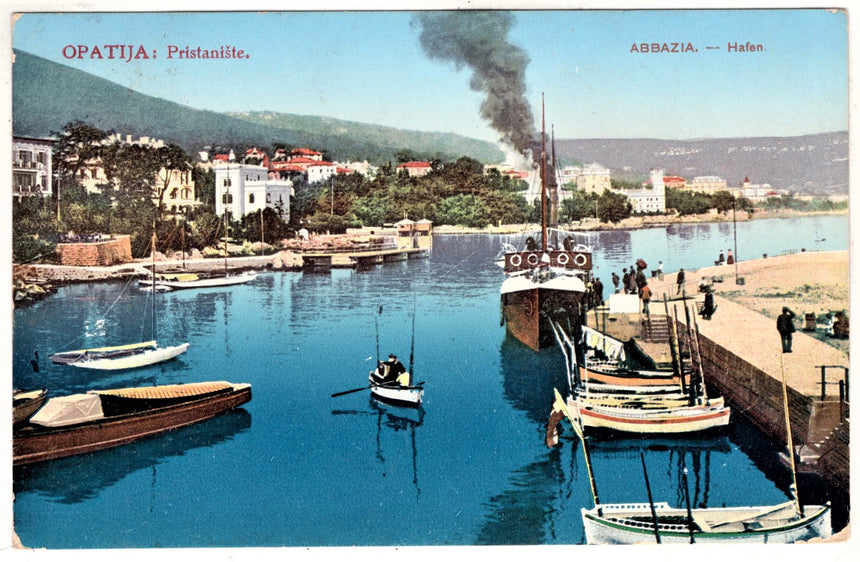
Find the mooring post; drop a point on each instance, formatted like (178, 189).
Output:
(823, 380)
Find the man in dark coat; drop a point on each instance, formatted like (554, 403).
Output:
(394, 369)
(598, 292)
(785, 327)
(680, 280)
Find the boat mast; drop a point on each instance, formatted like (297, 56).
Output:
(543, 172)
(154, 240)
(794, 491)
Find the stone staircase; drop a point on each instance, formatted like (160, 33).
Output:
(655, 329)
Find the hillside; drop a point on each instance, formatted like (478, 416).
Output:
(424, 143)
(46, 96)
(809, 164)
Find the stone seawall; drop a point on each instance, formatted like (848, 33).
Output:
(96, 254)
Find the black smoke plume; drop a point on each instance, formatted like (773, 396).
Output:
(479, 40)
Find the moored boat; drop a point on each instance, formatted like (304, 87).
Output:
(133, 360)
(100, 419)
(633, 523)
(174, 281)
(25, 403)
(637, 523)
(70, 357)
(659, 419)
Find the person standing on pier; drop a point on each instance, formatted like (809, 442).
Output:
(731, 259)
(660, 270)
(645, 296)
(785, 327)
(597, 287)
(615, 280)
(680, 280)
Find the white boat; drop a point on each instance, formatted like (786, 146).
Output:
(638, 523)
(633, 523)
(134, 360)
(401, 392)
(128, 356)
(69, 357)
(173, 281)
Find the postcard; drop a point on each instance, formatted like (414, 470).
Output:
(447, 276)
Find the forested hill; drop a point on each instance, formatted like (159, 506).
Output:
(46, 96)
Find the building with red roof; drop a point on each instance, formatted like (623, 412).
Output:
(415, 169)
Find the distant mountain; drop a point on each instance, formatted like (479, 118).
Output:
(46, 96)
(808, 164)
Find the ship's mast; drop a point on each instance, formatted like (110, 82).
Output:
(543, 172)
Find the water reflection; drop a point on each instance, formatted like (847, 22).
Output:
(392, 419)
(76, 479)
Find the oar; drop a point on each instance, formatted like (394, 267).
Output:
(387, 385)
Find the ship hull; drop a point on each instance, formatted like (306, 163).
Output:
(527, 314)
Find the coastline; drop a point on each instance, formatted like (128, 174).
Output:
(49, 275)
(640, 222)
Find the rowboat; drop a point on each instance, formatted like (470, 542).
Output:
(100, 419)
(633, 523)
(658, 419)
(614, 374)
(636, 523)
(26, 402)
(399, 393)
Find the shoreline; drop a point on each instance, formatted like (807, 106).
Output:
(640, 222)
(51, 275)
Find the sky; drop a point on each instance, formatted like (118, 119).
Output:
(368, 66)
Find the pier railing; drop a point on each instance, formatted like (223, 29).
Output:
(844, 394)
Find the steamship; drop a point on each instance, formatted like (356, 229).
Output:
(545, 276)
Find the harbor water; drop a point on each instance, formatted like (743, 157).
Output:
(296, 467)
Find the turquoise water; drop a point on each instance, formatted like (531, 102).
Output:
(295, 467)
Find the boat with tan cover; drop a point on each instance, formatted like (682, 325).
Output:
(99, 419)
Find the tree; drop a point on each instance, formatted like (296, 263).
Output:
(77, 144)
(577, 206)
(723, 201)
(613, 207)
(463, 210)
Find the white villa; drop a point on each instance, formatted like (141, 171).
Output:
(246, 188)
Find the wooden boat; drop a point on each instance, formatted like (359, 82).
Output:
(636, 523)
(637, 412)
(25, 403)
(642, 402)
(128, 356)
(100, 419)
(657, 419)
(400, 393)
(173, 281)
(543, 282)
(612, 373)
(633, 523)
